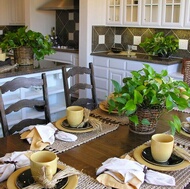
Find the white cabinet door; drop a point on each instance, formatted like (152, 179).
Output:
(16, 12)
(3, 12)
(187, 13)
(151, 12)
(173, 13)
(101, 74)
(114, 12)
(132, 12)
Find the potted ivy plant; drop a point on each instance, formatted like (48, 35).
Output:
(145, 95)
(26, 44)
(160, 45)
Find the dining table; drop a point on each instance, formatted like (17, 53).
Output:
(90, 155)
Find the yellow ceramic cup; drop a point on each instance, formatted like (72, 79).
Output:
(43, 161)
(74, 115)
(162, 147)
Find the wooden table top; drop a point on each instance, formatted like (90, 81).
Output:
(89, 156)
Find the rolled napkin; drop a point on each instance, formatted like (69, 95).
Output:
(128, 174)
(40, 136)
(12, 161)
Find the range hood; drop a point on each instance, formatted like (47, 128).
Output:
(60, 5)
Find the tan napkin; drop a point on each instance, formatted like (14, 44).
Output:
(36, 140)
(129, 174)
(40, 136)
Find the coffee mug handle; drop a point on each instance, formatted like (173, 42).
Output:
(48, 173)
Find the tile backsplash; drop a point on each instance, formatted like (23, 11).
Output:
(123, 36)
(67, 28)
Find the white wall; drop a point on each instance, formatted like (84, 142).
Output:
(92, 12)
(38, 20)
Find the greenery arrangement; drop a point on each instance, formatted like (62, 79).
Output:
(160, 45)
(39, 43)
(149, 90)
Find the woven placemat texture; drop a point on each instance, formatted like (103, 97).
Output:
(182, 177)
(112, 118)
(61, 146)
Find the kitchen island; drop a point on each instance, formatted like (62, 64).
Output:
(55, 89)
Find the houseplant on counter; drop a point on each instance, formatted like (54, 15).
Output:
(145, 95)
(160, 45)
(27, 45)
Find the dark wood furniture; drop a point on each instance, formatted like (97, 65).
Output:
(73, 74)
(43, 104)
(89, 156)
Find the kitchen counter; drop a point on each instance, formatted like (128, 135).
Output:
(30, 69)
(140, 57)
(76, 51)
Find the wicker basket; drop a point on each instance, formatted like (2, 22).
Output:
(24, 56)
(187, 72)
(151, 115)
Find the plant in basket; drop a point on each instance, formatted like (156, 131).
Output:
(27, 44)
(145, 95)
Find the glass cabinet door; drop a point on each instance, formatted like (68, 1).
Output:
(114, 11)
(151, 12)
(132, 12)
(173, 11)
(187, 13)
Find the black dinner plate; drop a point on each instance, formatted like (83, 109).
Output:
(66, 125)
(173, 160)
(25, 179)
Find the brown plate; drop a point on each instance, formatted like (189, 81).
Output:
(59, 125)
(11, 182)
(138, 157)
(103, 107)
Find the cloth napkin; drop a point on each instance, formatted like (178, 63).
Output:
(12, 161)
(40, 136)
(128, 174)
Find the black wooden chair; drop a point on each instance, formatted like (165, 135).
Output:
(43, 104)
(70, 91)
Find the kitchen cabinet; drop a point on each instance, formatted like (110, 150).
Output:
(132, 12)
(123, 12)
(106, 69)
(55, 95)
(16, 12)
(187, 14)
(151, 12)
(173, 13)
(114, 12)
(12, 12)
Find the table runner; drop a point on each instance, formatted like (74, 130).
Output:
(61, 146)
(112, 118)
(182, 177)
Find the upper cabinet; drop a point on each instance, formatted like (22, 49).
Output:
(132, 12)
(173, 13)
(16, 12)
(149, 13)
(114, 12)
(12, 12)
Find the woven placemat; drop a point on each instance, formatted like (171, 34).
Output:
(61, 146)
(112, 118)
(182, 177)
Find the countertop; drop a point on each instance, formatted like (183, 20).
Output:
(76, 51)
(140, 57)
(30, 69)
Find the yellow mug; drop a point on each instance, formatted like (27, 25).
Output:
(43, 162)
(75, 115)
(162, 147)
